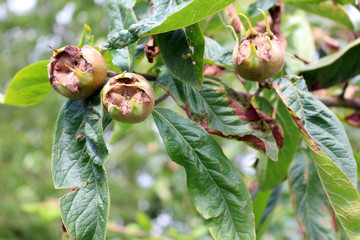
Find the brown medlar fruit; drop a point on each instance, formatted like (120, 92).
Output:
(129, 98)
(258, 56)
(77, 73)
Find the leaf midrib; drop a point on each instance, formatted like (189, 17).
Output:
(226, 204)
(307, 194)
(210, 108)
(301, 106)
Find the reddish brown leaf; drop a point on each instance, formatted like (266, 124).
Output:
(276, 129)
(223, 112)
(353, 119)
(213, 70)
(151, 50)
(79, 135)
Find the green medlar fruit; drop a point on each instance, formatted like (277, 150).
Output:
(129, 98)
(77, 73)
(258, 56)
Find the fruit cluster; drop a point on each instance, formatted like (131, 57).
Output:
(128, 97)
(79, 73)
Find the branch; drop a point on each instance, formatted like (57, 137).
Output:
(328, 101)
(300, 58)
(162, 98)
(151, 3)
(275, 13)
(236, 22)
(149, 77)
(343, 90)
(338, 102)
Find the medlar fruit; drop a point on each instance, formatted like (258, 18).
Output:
(258, 56)
(77, 73)
(129, 98)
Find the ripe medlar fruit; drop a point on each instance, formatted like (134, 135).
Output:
(77, 73)
(258, 56)
(129, 98)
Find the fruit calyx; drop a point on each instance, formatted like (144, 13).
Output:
(258, 56)
(128, 98)
(66, 64)
(76, 73)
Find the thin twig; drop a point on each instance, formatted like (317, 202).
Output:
(149, 77)
(112, 73)
(151, 3)
(343, 90)
(258, 91)
(261, 86)
(162, 98)
(332, 43)
(275, 13)
(300, 58)
(236, 22)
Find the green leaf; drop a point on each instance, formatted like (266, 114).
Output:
(183, 54)
(333, 69)
(300, 41)
(262, 4)
(79, 152)
(264, 203)
(327, 9)
(357, 159)
(143, 220)
(86, 38)
(85, 210)
(216, 188)
(268, 172)
(260, 201)
(217, 55)
(318, 122)
(127, 3)
(109, 62)
(330, 147)
(341, 232)
(168, 17)
(121, 16)
(221, 111)
(29, 86)
(311, 206)
(139, 51)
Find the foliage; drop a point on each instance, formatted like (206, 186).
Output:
(212, 116)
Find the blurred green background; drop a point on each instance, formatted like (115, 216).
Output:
(148, 192)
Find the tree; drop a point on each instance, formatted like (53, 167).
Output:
(284, 118)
